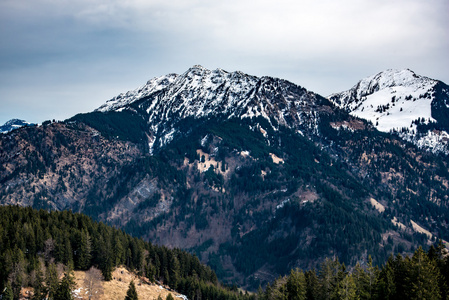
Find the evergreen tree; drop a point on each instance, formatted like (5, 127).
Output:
(119, 251)
(104, 258)
(347, 288)
(372, 273)
(401, 277)
(386, 286)
(438, 255)
(39, 289)
(169, 297)
(425, 277)
(279, 289)
(174, 271)
(361, 279)
(84, 252)
(17, 275)
(331, 273)
(8, 292)
(296, 285)
(52, 280)
(312, 285)
(65, 287)
(261, 295)
(131, 294)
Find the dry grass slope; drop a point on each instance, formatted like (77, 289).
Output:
(116, 288)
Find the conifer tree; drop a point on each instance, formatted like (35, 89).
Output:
(174, 272)
(170, 297)
(8, 293)
(312, 285)
(331, 273)
(296, 285)
(131, 294)
(261, 293)
(17, 274)
(373, 273)
(361, 279)
(84, 254)
(347, 288)
(52, 280)
(64, 290)
(39, 289)
(386, 286)
(424, 277)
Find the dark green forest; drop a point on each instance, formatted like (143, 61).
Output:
(35, 240)
(424, 275)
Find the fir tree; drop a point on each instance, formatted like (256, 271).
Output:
(347, 288)
(67, 284)
(296, 285)
(51, 280)
(424, 277)
(169, 297)
(8, 293)
(386, 286)
(131, 294)
(39, 289)
(312, 285)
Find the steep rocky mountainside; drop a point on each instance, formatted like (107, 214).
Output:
(254, 175)
(200, 93)
(412, 106)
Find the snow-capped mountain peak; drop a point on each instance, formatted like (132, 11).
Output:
(396, 100)
(200, 92)
(13, 124)
(392, 78)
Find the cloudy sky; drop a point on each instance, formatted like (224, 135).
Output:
(62, 57)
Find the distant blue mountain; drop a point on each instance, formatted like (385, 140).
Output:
(13, 124)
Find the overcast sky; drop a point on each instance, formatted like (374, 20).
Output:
(62, 57)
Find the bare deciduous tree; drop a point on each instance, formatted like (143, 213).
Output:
(48, 250)
(92, 282)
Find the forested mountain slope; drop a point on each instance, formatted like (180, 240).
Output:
(35, 244)
(255, 175)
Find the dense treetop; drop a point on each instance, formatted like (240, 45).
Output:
(35, 240)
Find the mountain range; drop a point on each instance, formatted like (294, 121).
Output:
(255, 175)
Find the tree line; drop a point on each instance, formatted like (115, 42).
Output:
(37, 247)
(424, 275)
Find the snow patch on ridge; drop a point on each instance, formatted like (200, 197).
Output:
(200, 93)
(393, 101)
(390, 100)
(13, 124)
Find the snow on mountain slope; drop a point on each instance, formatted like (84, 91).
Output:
(390, 100)
(13, 124)
(396, 100)
(200, 92)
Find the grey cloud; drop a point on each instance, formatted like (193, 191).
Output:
(86, 51)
